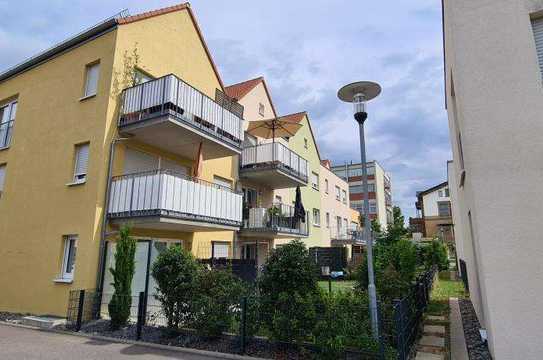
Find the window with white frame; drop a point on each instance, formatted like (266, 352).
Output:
(315, 180)
(141, 77)
(373, 208)
(328, 220)
(261, 109)
(316, 217)
(345, 225)
(7, 119)
(326, 185)
(91, 79)
(220, 250)
(68, 257)
(344, 196)
(81, 162)
(338, 193)
(2, 178)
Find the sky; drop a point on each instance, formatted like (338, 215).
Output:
(306, 50)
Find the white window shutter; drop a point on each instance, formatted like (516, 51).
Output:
(91, 85)
(2, 176)
(81, 161)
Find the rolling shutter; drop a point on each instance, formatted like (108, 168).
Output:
(81, 161)
(137, 162)
(2, 177)
(537, 27)
(220, 251)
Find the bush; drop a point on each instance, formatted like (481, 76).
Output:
(289, 292)
(215, 298)
(120, 303)
(176, 274)
(435, 254)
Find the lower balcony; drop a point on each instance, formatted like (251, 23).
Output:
(274, 166)
(275, 222)
(165, 200)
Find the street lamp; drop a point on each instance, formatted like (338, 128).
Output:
(359, 93)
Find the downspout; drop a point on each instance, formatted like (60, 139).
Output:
(103, 235)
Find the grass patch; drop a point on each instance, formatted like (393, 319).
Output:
(343, 285)
(445, 288)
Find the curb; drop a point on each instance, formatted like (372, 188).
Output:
(213, 354)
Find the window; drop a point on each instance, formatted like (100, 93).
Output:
(345, 225)
(305, 143)
(373, 208)
(315, 180)
(2, 178)
(326, 185)
(316, 217)
(7, 118)
(261, 109)
(225, 183)
(447, 193)
(537, 28)
(141, 77)
(444, 208)
(81, 163)
(328, 220)
(338, 193)
(219, 250)
(344, 196)
(68, 258)
(91, 79)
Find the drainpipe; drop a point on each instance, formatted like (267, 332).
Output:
(101, 250)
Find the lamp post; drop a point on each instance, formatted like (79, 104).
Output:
(358, 94)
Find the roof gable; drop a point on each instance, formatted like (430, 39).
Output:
(239, 90)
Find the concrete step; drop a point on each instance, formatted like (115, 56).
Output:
(428, 356)
(434, 330)
(434, 341)
(44, 322)
(436, 318)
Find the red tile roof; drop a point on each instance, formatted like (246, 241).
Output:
(239, 90)
(169, 9)
(296, 117)
(326, 163)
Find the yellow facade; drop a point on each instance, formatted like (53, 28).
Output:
(37, 207)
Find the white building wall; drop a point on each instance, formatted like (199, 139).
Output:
(494, 96)
(430, 201)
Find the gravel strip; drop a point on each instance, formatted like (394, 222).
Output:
(11, 317)
(477, 349)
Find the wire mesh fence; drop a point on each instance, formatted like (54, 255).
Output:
(247, 322)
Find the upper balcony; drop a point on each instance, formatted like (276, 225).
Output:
(165, 200)
(170, 114)
(273, 165)
(275, 222)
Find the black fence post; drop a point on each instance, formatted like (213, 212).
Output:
(80, 307)
(398, 322)
(243, 324)
(381, 335)
(141, 315)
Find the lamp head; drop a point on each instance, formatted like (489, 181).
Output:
(359, 93)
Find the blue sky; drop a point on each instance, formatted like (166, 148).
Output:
(306, 49)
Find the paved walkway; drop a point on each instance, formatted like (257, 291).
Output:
(20, 343)
(458, 343)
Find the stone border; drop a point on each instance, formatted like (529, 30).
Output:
(207, 353)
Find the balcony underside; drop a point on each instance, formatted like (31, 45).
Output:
(273, 176)
(167, 220)
(267, 233)
(181, 135)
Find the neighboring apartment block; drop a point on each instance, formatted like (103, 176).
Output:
(379, 188)
(494, 100)
(434, 211)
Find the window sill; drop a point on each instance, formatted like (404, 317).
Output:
(63, 281)
(4, 148)
(316, 225)
(87, 97)
(75, 183)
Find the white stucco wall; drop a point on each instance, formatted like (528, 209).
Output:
(430, 201)
(497, 108)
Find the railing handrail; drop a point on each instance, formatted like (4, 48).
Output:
(277, 143)
(176, 174)
(178, 78)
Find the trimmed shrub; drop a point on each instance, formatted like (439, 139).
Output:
(289, 292)
(435, 254)
(217, 294)
(176, 273)
(120, 303)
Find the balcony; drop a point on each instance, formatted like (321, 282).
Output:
(172, 115)
(346, 236)
(165, 200)
(274, 166)
(275, 222)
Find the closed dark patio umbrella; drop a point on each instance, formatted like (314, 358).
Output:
(299, 211)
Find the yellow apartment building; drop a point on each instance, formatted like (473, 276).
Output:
(110, 127)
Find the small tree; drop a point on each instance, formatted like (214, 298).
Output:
(119, 306)
(289, 292)
(176, 273)
(436, 254)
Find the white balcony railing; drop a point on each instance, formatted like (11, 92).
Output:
(169, 94)
(165, 193)
(274, 155)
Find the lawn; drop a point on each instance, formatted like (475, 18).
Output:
(444, 288)
(337, 285)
